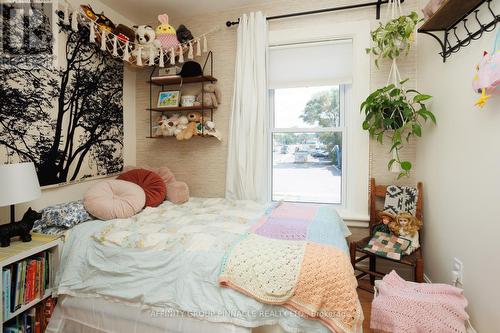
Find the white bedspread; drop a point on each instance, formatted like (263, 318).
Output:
(168, 259)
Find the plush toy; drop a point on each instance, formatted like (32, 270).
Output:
(104, 23)
(124, 33)
(22, 228)
(184, 34)
(386, 219)
(182, 123)
(165, 33)
(211, 96)
(145, 36)
(168, 126)
(209, 129)
(407, 226)
(191, 128)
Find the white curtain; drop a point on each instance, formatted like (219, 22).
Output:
(247, 165)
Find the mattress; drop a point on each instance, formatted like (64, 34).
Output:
(98, 315)
(168, 259)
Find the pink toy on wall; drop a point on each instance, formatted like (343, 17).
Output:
(487, 78)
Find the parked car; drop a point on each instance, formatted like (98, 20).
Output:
(301, 156)
(284, 149)
(319, 153)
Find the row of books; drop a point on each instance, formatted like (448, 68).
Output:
(34, 320)
(26, 280)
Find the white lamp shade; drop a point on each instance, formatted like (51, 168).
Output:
(18, 183)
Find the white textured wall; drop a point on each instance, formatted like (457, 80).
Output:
(201, 162)
(459, 163)
(75, 192)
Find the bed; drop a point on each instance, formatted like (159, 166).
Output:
(159, 271)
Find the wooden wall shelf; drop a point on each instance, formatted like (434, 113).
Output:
(176, 80)
(181, 108)
(455, 13)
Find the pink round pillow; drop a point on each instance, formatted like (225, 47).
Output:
(152, 184)
(177, 192)
(114, 199)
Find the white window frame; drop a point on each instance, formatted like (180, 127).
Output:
(356, 148)
(343, 90)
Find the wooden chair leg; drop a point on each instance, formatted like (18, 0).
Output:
(352, 251)
(419, 270)
(373, 268)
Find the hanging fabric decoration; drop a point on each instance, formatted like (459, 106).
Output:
(92, 32)
(190, 52)
(115, 46)
(151, 56)
(103, 40)
(66, 15)
(126, 54)
(198, 47)
(181, 54)
(172, 56)
(205, 47)
(161, 60)
(138, 55)
(74, 21)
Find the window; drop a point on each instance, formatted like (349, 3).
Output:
(307, 107)
(307, 147)
(305, 60)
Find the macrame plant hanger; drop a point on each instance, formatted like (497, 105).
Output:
(393, 11)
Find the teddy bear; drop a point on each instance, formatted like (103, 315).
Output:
(182, 123)
(191, 128)
(145, 36)
(211, 96)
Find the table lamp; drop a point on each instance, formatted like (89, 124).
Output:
(18, 183)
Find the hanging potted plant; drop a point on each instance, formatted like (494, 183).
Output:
(393, 38)
(397, 113)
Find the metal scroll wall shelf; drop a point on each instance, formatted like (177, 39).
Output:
(378, 4)
(175, 83)
(455, 14)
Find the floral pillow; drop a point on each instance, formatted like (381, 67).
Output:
(65, 215)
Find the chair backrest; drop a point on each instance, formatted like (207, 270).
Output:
(377, 195)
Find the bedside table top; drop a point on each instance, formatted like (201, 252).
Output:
(19, 250)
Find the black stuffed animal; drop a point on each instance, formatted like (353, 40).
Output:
(21, 228)
(184, 34)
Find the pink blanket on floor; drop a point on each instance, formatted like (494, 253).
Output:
(409, 307)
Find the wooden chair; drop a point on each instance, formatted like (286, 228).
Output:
(415, 260)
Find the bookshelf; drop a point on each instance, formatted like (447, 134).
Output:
(19, 251)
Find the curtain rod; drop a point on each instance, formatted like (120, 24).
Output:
(377, 3)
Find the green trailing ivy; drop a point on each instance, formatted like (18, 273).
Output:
(397, 113)
(393, 38)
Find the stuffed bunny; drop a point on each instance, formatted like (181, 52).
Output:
(165, 33)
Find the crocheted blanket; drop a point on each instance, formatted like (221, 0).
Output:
(401, 306)
(315, 281)
(316, 223)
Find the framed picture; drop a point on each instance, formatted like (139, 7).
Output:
(168, 99)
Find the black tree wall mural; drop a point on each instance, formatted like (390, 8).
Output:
(67, 120)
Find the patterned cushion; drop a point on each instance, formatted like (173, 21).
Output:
(400, 199)
(152, 184)
(112, 199)
(387, 245)
(61, 216)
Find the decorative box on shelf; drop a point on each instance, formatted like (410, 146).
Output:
(28, 272)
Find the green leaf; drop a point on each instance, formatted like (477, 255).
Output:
(366, 125)
(391, 162)
(417, 130)
(405, 165)
(421, 97)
